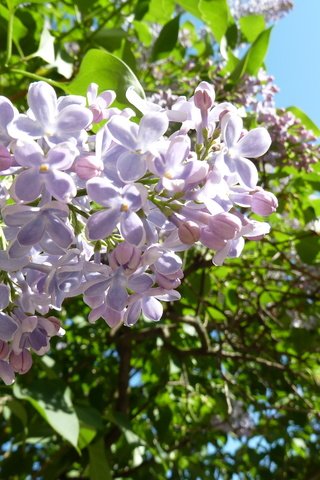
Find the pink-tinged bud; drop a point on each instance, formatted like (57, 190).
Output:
(189, 232)
(21, 362)
(4, 350)
(204, 96)
(264, 203)
(88, 166)
(5, 158)
(125, 255)
(225, 225)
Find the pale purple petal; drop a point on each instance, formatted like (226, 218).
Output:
(60, 233)
(222, 254)
(132, 196)
(152, 127)
(28, 154)
(42, 100)
(152, 309)
(6, 372)
(131, 167)
(73, 119)
(117, 295)
(7, 327)
(28, 185)
(101, 224)
(100, 190)
(233, 130)
(25, 125)
(133, 313)
(247, 172)
(124, 132)
(31, 233)
(111, 316)
(168, 263)
(17, 215)
(60, 185)
(61, 156)
(4, 296)
(254, 144)
(140, 283)
(177, 151)
(132, 229)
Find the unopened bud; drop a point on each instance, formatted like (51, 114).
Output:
(4, 350)
(264, 203)
(204, 96)
(21, 362)
(88, 166)
(125, 255)
(225, 225)
(189, 232)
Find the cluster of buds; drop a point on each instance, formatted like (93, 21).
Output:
(104, 215)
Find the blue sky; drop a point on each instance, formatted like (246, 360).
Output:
(294, 58)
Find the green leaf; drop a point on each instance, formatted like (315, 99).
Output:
(160, 11)
(99, 467)
(215, 14)
(19, 30)
(190, 6)
(143, 32)
(166, 40)
(308, 249)
(251, 26)
(52, 399)
(90, 423)
(307, 122)
(254, 58)
(109, 72)
(109, 38)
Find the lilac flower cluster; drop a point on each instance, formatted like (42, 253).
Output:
(95, 204)
(292, 143)
(272, 10)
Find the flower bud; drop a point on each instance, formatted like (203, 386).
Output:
(125, 255)
(4, 350)
(5, 158)
(88, 166)
(225, 225)
(21, 362)
(204, 96)
(189, 232)
(264, 203)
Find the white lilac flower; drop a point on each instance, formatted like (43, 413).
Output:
(55, 121)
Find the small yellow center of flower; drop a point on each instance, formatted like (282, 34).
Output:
(168, 175)
(43, 168)
(124, 207)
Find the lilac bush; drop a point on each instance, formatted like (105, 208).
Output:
(96, 204)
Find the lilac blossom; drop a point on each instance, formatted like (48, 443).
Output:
(137, 141)
(241, 145)
(45, 171)
(104, 211)
(54, 120)
(121, 207)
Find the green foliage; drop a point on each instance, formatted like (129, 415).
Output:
(108, 71)
(228, 382)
